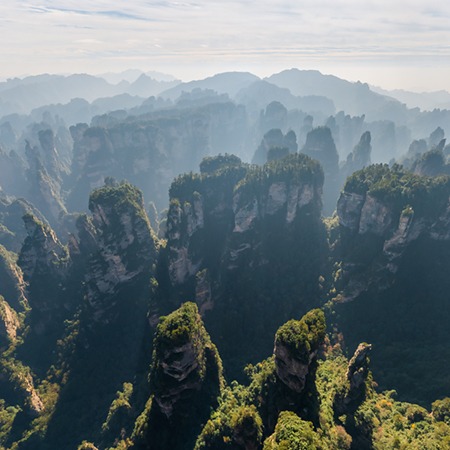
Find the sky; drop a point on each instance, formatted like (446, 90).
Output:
(403, 44)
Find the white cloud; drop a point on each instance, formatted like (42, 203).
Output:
(203, 36)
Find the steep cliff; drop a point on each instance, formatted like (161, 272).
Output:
(320, 146)
(186, 379)
(151, 149)
(44, 262)
(394, 247)
(242, 239)
(285, 382)
(112, 263)
(118, 243)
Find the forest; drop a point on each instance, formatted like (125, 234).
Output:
(232, 263)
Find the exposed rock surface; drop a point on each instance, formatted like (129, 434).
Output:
(184, 359)
(291, 371)
(117, 244)
(12, 284)
(41, 252)
(377, 229)
(355, 389)
(186, 376)
(296, 345)
(245, 225)
(9, 323)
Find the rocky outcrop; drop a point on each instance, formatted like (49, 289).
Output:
(354, 392)
(320, 146)
(359, 157)
(380, 221)
(151, 150)
(291, 371)
(45, 264)
(42, 252)
(183, 221)
(273, 140)
(12, 231)
(12, 284)
(45, 190)
(186, 379)
(296, 345)
(117, 244)
(184, 359)
(232, 233)
(9, 323)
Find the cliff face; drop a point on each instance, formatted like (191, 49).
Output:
(117, 245)
(44, 262)
(186, 379)
(386, 220)
(9, 324)
(394, 247)
(239, 235)
(151, 150)
(297, 343)
(320, 145)
(45, 184)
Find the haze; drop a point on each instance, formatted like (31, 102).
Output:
(402, 44)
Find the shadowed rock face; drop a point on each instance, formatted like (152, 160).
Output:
(291, 371)
(358, 368)
(354, 392)
(186, 380)
(118, 244)
(42, 250)
(379, 223)
(45, 264)
(9, 324)
(184, 360)
(296, 345)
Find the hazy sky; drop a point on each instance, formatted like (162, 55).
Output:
(391, 43)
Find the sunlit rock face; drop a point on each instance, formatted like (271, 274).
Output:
(245, 226)
(296, 346)
(186, 361)
(186, 379)
(291, 370)
(381, 217)
(9, 324)
(118, 244)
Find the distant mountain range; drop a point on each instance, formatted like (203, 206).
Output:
(22, 95)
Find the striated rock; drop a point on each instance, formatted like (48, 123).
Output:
(349, 209)
(245, 215)
(9, 323)
(12, 284)
(117, 243)
(184, 359)
(186, 379)
(354, 392)
(358, 367)
(276, 198)
(376, 217)
(45, 265)
(12, 231)
(41, 251)
(290, 369)
(256, 225)
(203, 295)
(381, 212)
(296, 345)
(45, 190)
